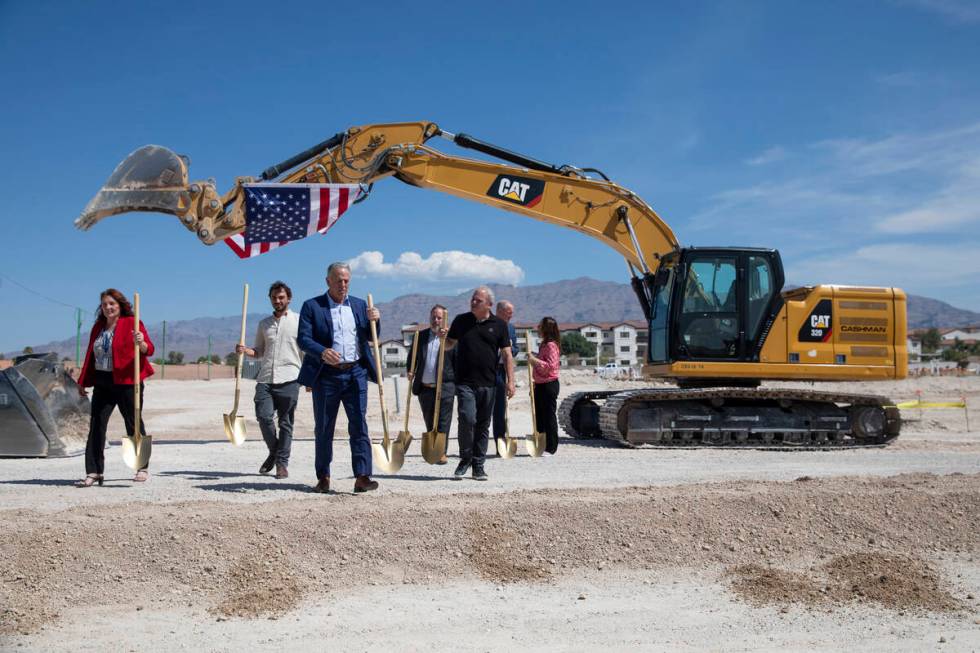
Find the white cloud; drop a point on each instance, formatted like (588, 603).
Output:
(440, 266)
(689, 141)
(898, 184)
(958, 11)
(903, 79)
(909, 266)
(771, 155)
(954, 207)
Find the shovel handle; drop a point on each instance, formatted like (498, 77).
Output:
(411, 367)
(241, 341)
(377, 368)
(530, 379)
(442, 356)
(136, 367)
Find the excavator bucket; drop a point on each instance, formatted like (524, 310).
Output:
(152, 178)
(41, 413)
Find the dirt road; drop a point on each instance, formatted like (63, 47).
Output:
(596, 547)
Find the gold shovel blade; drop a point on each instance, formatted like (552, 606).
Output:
(130, 457)
(143, 449)
(235, 429)
(506, 447)
(388, 459)
(433, 447)
(404, 438)
(535, 444)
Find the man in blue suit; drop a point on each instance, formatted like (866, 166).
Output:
(335, 336)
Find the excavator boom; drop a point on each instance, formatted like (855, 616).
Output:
(154, 179)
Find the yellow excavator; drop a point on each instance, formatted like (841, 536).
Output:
(720, 322)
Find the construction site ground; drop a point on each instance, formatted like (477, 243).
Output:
(597, 547)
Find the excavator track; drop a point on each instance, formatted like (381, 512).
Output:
(755, 418)
(574, 416)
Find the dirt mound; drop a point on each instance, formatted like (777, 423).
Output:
(261, 560)
(259, 585)
(893, 581)
(500, 556)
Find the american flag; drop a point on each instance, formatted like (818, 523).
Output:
(277, 214)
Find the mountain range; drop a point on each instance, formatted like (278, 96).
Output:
(575, 300)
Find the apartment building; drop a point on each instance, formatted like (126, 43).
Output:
(623, 342)
(394, 353)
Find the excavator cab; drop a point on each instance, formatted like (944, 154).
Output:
(714, 304)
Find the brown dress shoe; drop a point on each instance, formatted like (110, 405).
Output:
(281, 471)
(323, 485)
(364, 484)
(443, 459)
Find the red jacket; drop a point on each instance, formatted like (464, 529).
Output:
(123, 349)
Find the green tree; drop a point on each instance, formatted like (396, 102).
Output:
(955, 354)
(214, 359)
(231, 358)
(175, 358)
(576, 343)
(28, 350)
(931, 340)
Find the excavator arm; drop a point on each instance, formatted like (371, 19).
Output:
(155, 179)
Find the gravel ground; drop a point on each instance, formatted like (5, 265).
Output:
(599, 546)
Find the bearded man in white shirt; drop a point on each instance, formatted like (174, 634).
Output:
(276, 388)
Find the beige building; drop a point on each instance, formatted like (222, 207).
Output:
(624, 343)
(394, 353)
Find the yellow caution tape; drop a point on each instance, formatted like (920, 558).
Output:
(931, 404)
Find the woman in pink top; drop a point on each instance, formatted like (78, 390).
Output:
(545, 373)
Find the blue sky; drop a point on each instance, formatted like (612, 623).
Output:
(845, 134)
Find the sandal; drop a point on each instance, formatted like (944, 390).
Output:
(89, 480)
(141, 476)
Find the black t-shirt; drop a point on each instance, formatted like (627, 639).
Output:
(477, 346)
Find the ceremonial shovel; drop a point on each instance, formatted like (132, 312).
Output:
(506, 446)
(390, 454)
(534, 443)
(405, 437)
(235, 423)
(434, 442)
(136, 449)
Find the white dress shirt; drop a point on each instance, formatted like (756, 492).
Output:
(431, 360)
(275, 344)
(344, 330)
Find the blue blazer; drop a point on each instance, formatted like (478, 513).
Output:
(316, 334)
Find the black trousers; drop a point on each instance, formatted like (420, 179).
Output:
(545, 407)
(105, 397)
(427, 401)
(475, 406)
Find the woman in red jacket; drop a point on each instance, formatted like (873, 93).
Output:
(546, 365)
(109, 367)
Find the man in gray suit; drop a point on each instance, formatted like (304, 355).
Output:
(424, 376)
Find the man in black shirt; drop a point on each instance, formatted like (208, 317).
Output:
(479, 337)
